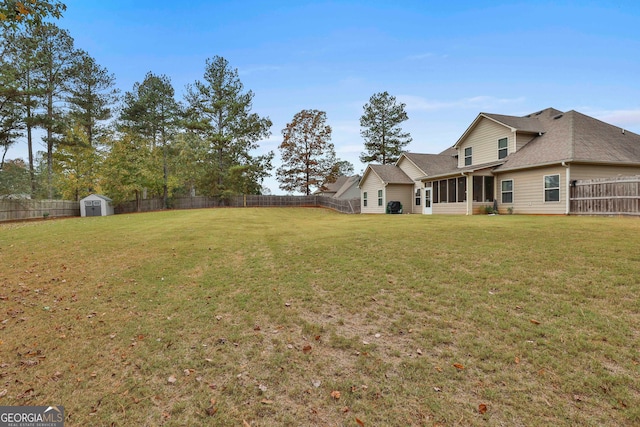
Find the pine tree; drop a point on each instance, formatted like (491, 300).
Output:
(384, 140)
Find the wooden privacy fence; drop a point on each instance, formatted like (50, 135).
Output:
(21, 209)
(606, 196)
(146, 205)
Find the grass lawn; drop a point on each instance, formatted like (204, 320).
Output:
(306, 317)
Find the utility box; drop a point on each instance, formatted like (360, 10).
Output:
(394, 207)
(96, 205)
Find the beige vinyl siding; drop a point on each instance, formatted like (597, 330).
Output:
(412, 172)
(450, 208)
(371, 186)
(409, 168)
(402, 193)
(528, 191)
(596, 171)
(483, 139)
(522, 140)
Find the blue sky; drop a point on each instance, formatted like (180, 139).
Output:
(447, 61)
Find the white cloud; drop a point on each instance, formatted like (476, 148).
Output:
(627, 118)
(478, 103)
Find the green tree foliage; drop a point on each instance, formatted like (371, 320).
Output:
(127, 169)
(14, 13)
(56, 54)
(219, 112)
(20, 68)
(151, 113)
(11, 112)
(91, 94)
(76, 165)
(14, 178)
(384, 140)
(308, 156)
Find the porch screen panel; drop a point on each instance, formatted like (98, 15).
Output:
(452, 190)
(488, 189)
(462, 189)
(443, 191)
(477, 189)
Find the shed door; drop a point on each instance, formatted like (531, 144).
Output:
(93, 207)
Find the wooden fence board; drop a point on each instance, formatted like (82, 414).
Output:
(606, 196)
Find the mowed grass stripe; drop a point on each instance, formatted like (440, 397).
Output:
(221, 316)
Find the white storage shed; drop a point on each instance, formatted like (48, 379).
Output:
(96, 205)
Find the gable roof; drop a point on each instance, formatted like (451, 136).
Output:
(388, 174)
(348, 184)
(333, 187)
(576, 137)
(531, 123)
(433, 164)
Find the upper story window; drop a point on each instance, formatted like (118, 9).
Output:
(552, 188)
(503, 149)
(467, 156)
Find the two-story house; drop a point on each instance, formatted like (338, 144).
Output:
(521, 164)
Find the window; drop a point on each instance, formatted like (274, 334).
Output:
(467, 156)
(507, 191)
(364, 199)
(436, 195)
(379, 197)
(503, 148)
(462, 189)
(552, 188)
(418, 201)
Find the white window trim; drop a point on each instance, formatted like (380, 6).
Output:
(505, 148)
(470, 156)
(544, 189)
(513, 196)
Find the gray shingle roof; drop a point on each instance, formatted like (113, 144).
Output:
(391, 174)
(575, 137)
(434, 164)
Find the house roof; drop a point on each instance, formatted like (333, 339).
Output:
(348, 184)
(433, 164)
(333, 187)
(388, 174)
(531, 123)
(575, 137)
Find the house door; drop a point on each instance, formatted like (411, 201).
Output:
(427, 201)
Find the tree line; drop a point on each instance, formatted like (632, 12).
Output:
(145, 143)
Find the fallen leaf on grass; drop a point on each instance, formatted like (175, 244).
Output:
(482, 408)
(172, 379)
(517, 360)
(534, 321)
(306, 349)
(266, 402)
(335, 394)
(360, 422)
(458, 366)
(245, 424)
